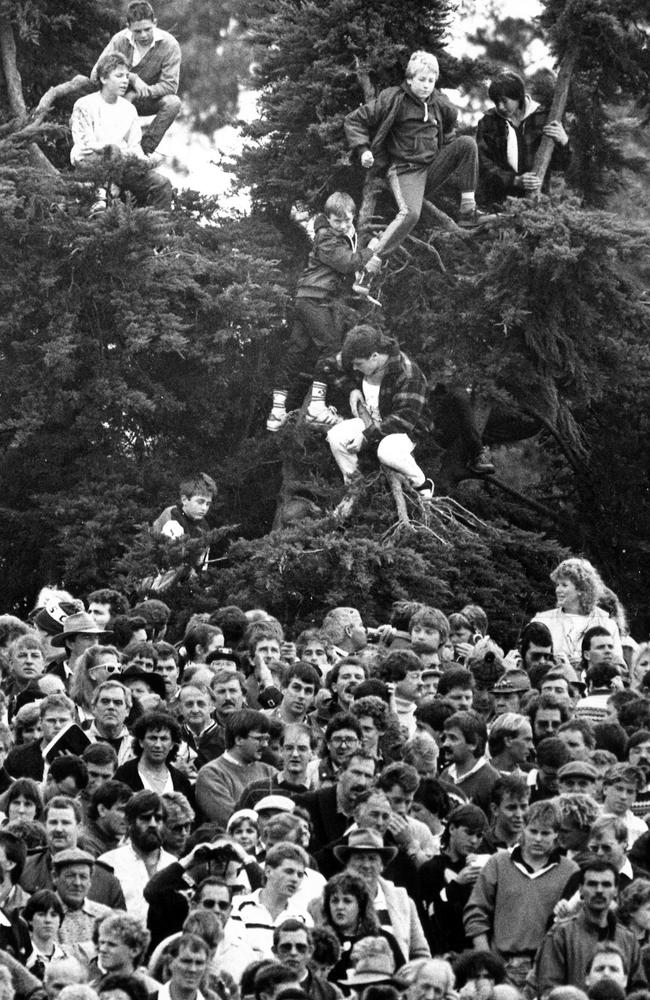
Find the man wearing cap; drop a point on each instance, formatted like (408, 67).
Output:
(27, 760)
(366, 855)
(72, 871)
(293, 946)
(142, 855)
(508, 690)
(111, 704)
(256, 914)
(63, 830)
(577, 776)
(80, 631)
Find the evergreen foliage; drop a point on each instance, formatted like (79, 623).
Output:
(136, 348)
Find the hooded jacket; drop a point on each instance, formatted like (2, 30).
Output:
(496, 173)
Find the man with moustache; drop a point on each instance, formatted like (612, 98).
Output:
(142, 855)
(331, 808)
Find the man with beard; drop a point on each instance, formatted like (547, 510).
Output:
(331, 808)
(637, 752)
(142, 855)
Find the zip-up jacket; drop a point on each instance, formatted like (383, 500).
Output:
(333, 257)
(370, 125)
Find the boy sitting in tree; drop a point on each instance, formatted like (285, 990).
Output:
(316, 333)
(186, 519)
(106, 133)
(408, 132)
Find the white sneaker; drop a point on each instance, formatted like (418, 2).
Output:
(327, 417)
(275, 421)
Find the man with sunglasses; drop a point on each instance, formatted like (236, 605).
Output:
(293, 946)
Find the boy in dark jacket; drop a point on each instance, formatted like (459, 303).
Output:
(408, 131)
(508, 138)
(316, 333)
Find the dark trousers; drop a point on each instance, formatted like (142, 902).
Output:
(147, 186)
(456, 162)
(454, 418)
(315, 335)
(165, 109)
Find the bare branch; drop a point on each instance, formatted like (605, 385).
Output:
(547, 145)
(10, 68)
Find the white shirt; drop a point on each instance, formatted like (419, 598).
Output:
(132, 874)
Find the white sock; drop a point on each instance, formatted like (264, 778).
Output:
(317, 401)
(467, 201)
(279, 401)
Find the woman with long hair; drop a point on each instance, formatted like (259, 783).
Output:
(578, 588)
(350, 912)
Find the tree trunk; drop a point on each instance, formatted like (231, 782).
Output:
(547, 145)
(17, 104)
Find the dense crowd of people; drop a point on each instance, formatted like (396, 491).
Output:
(407, 810)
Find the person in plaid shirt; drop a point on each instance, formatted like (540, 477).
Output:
(388, 408)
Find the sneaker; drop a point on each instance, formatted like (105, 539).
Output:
(327, 417)
(275, 421)
(425, 491)
(475, 218)
(482, 464)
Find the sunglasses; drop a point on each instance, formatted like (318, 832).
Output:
(301, 949)
(218, 904)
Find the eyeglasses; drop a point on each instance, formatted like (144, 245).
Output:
(340, 741)
(288, 946)
(219, 904)
(259, 737)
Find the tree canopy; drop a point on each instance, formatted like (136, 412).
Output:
(137, 349)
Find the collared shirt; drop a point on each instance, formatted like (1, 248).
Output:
(164, 993)
(452, 771)
(130, 869)
(252, 920)
(77, 927)
(139, 53)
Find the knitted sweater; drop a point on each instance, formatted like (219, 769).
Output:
(505, 896)
(220, 784)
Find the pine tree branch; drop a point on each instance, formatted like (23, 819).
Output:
(521, 498)
(10, 68)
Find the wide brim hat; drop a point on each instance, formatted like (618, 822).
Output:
(371, 969)
(155, 681)
(76, 624)
(364, 840)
